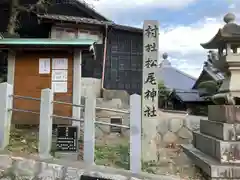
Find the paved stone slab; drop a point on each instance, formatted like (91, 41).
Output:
(185, 133)
(70, 156)
(213, 169)
(224, 113)
(224, 151)
(220, 130)
(31, 166)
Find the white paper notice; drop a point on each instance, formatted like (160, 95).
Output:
(59, 87)
(59, 63)
(59, 75)
(44, 66)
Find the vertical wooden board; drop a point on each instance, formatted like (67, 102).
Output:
(28, 82)
(61, 109)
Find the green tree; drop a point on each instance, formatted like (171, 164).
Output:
(16, 9)
(163, 93)
(208, 88)
(13, 23)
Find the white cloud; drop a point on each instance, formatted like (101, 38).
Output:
(182, 43)
(187, 39)
(169, 4)
(111, 7)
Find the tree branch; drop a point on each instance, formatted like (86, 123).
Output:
(16, 8)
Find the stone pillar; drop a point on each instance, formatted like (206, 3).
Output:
(77, 87)
(6, 103)
(150, 85)
(45, 125)
(11, 67)
(89, 128)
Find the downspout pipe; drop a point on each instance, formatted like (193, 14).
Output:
(104, 56)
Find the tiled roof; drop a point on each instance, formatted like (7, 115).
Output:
(80, 3)
(189, 96)
(84, 20)
(74, 19)
(215, 74)
(174, 78)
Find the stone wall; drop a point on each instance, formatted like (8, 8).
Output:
(91, 83)
(102, 132)
(176, 128)
(113, 99)
(173, 127)
(105, 116)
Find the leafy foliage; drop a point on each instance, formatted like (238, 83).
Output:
(16, 8)
(117, 156)
(208, 88)
(163, 93)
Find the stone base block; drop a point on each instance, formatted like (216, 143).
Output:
(224, 113)
(223, 151)
(220, 130)
(212, 168)
(72, 156)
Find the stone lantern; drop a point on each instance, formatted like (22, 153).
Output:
(216, 146)
(227, 60)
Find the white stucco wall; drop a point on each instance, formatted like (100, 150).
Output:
(85, 34)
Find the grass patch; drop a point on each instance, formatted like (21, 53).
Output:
(112, 155)
(117, 156)
(23, 141)
(26, 141)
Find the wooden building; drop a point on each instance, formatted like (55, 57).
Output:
(67, 30)
(188, 101)
(36, 64)
(118, 60)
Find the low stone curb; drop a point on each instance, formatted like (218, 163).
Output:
(31, 167)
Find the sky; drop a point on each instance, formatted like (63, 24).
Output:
(184, 24)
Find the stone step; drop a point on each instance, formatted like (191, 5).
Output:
(223, 151)
(224, 113)
(211, 167)
(220, 130)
